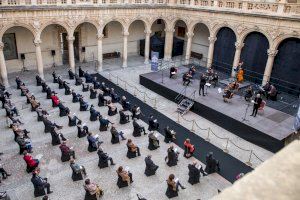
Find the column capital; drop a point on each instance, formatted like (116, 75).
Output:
(100, 36)
(170, 30)
(212, 40)
(1, 46)
(70, 38)
(125, 33)
(147, 31)
(272, 52)
(189, 34)
(239, 45)
(37, 42)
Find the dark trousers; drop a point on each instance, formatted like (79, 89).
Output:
(201, 88)
(178, 184)
(47, 186)
(111, 160)
(255, 109)
(138, 151)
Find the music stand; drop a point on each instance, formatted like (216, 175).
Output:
(244, 119)
(207, 86)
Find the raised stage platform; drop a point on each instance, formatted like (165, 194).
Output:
(267, 130)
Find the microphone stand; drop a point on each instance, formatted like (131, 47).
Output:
(244, 119)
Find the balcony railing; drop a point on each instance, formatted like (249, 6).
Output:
(243, 6)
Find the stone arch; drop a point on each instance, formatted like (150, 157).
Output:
(174, 21)
(23, 25)
(65, 26)
(162, 18)
(123, 24)
(280, 39)
(191, 26)
(146, 23)
(93, 23)
(244, 34)
(214, 31)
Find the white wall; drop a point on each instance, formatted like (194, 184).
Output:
(200, 41)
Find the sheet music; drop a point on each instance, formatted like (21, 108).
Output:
(156, 135)
(220, 90)
(208, 84)
(176, 180)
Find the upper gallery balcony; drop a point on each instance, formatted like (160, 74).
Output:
(278, 8)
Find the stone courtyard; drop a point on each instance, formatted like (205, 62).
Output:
(59, 174)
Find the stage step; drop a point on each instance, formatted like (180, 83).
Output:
(184, 106)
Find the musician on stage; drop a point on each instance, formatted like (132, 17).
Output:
(257, 102)
(173, 72)
(186, 79)
(202, 84)
(248, 93)
(192, 71)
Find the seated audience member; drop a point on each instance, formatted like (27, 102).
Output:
(80, 72)
(66, 152)
(77, 170)
(92, 190)
(188, 148)
(75, 97)
(88, 77)
(153, 141)
(85, 87)
(67, 88)
(136, 112)
(101, 100)
(194, 173)
(173, 72)
(104, 122)
(116, 133)
(49, 92)
(137, 129)
(24, 89)
(34, 104)
(94, 142)
(56, 136)
(63, 110)
(114, 96)
(82, 130)
(73, 119)
(48, 124)
(60, 83)
(94, 114)
(153, 124)
(39, 184)
(18, 131)
(123, 117)
(78, 80)
(55, 100)
(272, 94)
(173, 186)
(54, 77)
(133, 150)
(266, 88)
(214, 79)
(112, 109)
(93, 93)
(125, 104)
(24, 143)
(212, 165)
(96, 83)
(40, 113)
(150, 166)
(30, 162)
(71, 74)
(105, 89)
(104, 158)
(169, 135)
(186, 79)
(83, 105)
(248, 93)
(124, 177)
(18, 81)
(172, 156)
(10, 108)
(44, 86)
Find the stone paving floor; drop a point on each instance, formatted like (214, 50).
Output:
(153, 188)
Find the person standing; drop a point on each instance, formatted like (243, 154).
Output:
(257, 102)
(202, 84)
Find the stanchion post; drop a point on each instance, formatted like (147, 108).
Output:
(226, 148)
(155, 103)
(178, 118)
(144, 97)
(109, 78)
(125, 86)
(249, 161)
(134, 92)
(193, 129)
(117, 80)
(207, 138)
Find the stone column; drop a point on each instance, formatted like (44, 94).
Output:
(269, 66)
(39, 58)
(188, 47)
(3, 71)
(100, 54)
(210, 55)
(168, 44)
(71, 52)
(125, 41)
(237, 55)
(147, 46)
